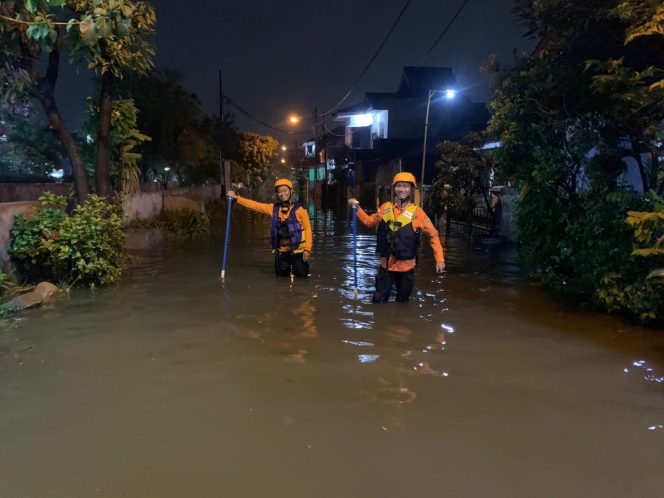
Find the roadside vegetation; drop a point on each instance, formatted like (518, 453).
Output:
(570, 117)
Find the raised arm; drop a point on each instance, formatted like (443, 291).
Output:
(368, 220)
(258, 207)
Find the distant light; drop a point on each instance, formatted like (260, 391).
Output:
(56, 173)
(283, 147)
(167, 168)
(88, 138)
(450, 94)
(283, 161)
(491, 145)
(361, 120)
(294, 119)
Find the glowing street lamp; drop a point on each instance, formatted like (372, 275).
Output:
(450, 94)
(284, 148)
(293, 119)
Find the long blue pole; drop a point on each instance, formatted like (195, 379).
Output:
(228, 232)
(354, 224)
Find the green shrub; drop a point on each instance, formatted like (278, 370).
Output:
(84, 247)
(184, 224)
(179, 225)
(583, 249)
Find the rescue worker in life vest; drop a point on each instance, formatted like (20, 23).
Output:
(290, 235)
(399, 227)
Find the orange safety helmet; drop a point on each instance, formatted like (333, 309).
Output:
(283, 181)
(404, 176)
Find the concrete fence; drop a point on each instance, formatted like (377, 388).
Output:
(147, 205)
(18, 192)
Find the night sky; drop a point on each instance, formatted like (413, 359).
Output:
(289, 56)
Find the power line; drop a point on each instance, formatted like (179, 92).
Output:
(259, 121)
(373, 58)
(362, 73)
(449, 25)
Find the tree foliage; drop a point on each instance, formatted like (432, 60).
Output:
(126, 139)
(257, 155)
(111, 36)
(29, 149)
(567, 116)
(463, 176)
(189, 145)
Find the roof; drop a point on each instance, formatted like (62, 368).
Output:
(416, 81)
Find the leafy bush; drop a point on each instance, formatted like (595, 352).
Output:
(184, 224)
(84, 247)
(179, 225)
(582, 248)
(649, 232)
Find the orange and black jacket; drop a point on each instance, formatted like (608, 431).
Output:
(420, 223)
(300, 214)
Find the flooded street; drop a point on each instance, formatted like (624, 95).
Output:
(171, 385)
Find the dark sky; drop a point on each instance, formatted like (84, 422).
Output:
(289, 56)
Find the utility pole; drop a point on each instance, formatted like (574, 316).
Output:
(222, 172)
(315, 158)
(325, 180)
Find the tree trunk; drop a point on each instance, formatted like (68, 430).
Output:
(103, 153)
(45, 93)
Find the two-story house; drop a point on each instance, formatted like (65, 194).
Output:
(385, 132)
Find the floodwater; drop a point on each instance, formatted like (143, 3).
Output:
(171, 385)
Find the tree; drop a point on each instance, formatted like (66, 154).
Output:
(463, 175)
(566, 116)
(111, 36)
(28, 31)
(125, 138)
(29, 148)
(256, 155)
(188, 144)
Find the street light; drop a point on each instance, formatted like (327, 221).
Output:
(294, 119)
(450, 94)
(284, 148)
(166, 176)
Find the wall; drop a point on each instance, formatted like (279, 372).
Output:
(147, 205)
(15, 192)
(142, 206)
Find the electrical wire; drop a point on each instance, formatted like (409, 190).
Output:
(260, 121)
(446, 29)
(371, 61)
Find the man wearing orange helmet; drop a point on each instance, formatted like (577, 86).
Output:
(399, 227)
(290, 235)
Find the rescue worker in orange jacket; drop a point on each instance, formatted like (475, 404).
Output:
(399, 227)
(290, 234)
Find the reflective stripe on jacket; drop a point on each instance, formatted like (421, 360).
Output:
(396, 235)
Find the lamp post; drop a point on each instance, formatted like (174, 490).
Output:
(449, 95)
(166, 176)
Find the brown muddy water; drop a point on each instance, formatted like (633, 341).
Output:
(171, 385)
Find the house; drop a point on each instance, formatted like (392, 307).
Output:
(385, 132)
